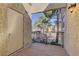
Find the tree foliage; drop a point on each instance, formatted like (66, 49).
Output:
(49, 13)
(45, 19)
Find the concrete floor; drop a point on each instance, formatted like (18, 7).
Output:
(38, 49)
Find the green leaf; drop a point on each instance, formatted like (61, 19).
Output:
(49, 13)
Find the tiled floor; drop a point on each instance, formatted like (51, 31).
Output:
(38, 49)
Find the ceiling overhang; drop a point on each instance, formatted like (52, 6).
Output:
(39, 7)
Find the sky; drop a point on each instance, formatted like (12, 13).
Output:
(35, 17)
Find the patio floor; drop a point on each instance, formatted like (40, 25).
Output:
(38, 49)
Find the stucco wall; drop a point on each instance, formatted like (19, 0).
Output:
(71, 39)
(27, 23)
(27, 31)
(4, 26)
(14, 30)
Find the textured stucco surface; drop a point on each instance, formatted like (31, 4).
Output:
(27, 30)
(71, 39)
(15, 30)
(4, 36)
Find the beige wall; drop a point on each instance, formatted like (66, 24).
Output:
(28, 8)
(27, 31)
(27, 23)
(71, 39)
(4, 37)
(15, 30)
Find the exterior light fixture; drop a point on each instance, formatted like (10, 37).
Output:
(72, 7)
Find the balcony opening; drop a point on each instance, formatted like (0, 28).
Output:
(48, 27)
